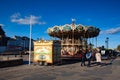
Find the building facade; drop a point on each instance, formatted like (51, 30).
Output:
(19, 43)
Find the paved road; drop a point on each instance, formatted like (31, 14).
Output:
(64, 72)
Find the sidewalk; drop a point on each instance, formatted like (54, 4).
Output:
(64, 72)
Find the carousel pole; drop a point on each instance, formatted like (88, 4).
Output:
(73, 37)
(96, 42)
(62, 40)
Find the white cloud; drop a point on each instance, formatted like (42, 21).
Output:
(2, 25)
(111, 31)
(26, 20)
(16, 15)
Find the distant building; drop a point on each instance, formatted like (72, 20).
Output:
(15, 43)
(3, 38)
(19, 43)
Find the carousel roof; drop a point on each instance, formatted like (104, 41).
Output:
(73, 29)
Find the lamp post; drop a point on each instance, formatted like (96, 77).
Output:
(29, 21)
(107, 39)
(30, 40)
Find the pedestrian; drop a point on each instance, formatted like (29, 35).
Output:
(98, 56)
(89, 57)
(83, 57)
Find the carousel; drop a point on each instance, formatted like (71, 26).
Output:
(73, 38)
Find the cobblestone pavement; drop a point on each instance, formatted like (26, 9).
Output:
(71, 71)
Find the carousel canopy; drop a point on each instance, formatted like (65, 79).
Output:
(73, 29)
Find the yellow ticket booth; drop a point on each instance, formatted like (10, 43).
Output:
(47, 52)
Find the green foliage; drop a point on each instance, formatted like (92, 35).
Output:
(118, 47)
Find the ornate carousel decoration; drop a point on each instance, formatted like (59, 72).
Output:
(73, 37)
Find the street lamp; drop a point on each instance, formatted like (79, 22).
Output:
(30, 40)
(29, 21)
(107, 39)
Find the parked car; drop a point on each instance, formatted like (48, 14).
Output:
(107, 54)
(118, 54)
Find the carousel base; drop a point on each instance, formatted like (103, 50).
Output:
(76, 57)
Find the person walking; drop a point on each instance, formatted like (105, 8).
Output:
(98, 56)
(83, 57)
(89, 56)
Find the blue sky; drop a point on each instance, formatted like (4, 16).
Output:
(104, 14)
